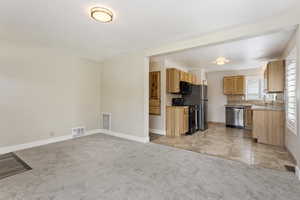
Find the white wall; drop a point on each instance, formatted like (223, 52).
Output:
(293, 141)
(216, 99)
(44, 94)
(124, 93)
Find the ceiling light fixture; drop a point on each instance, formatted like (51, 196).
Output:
(101, 14)
(221, 61)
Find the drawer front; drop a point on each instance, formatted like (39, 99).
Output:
(154, 102)
(154, 110)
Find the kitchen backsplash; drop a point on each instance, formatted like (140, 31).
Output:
(274, 99)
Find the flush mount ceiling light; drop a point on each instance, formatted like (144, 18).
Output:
(221, 61)
(101, 14)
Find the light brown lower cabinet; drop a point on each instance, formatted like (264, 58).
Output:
(268, 127)
(177, 120)
(248, 118)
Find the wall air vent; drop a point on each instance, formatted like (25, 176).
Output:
(106, 121)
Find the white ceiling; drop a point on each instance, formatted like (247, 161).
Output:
(243, 54)
(138, 24)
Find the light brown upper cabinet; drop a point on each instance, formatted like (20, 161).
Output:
(174, 76)
(190, 78)
(234, 85)
(194, 79)
(240, 85)
(173, 80)
(274, 77)
(184, 76)
(154, 93)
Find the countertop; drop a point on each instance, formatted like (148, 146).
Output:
(256, 107)
(275, 108)
(238, 105)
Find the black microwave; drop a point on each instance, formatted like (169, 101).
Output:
(185, 88)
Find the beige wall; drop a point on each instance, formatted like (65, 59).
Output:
(124, 93)
(293, 141)
(216, 99)
(44, 95)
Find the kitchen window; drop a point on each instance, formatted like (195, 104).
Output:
(254, 88)
(291, 101)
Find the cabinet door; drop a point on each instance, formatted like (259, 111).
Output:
(248, 118)
(154, 85)
(276, 76)
(169, 122)
(177, 121)
(190, 78)
(154, 107)
(239, 85)
(194, 79)
(182, 76)
(266, 80)
(275, 128)
(259, 127)
(229, 85)
(173, 80)
(186, 120)
(186, 77)
(268, 127)
(154, 93)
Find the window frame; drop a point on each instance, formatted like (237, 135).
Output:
(261, 87)
(294, 128)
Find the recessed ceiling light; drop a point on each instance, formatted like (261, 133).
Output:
(221, 61)
(102, 14)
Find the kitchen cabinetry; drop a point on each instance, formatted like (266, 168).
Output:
(173, 80)
(154, 93)
(177, 120)
(174, 76)
(194, 79)
(275, 77)
(234, 85)
(248, 118)
(268, 126)
(184, 76)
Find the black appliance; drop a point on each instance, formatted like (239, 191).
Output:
(185, 88)
(193, 119)
(198, 97)
(178, 102)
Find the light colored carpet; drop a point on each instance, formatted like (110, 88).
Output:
(102, 167)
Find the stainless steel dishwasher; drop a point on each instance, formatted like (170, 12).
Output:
(235, 116)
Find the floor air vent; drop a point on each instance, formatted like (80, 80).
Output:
(11, 164)
(290, 168)
(106, 121)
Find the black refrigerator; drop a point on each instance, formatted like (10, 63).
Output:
(198, 97)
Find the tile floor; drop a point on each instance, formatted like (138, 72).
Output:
(230, 143)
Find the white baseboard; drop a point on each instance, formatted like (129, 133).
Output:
(4, 150)
(9, 149)
(156, 131)
(125, 136)
(298, 172)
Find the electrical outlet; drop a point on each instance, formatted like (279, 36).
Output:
(78, 132)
